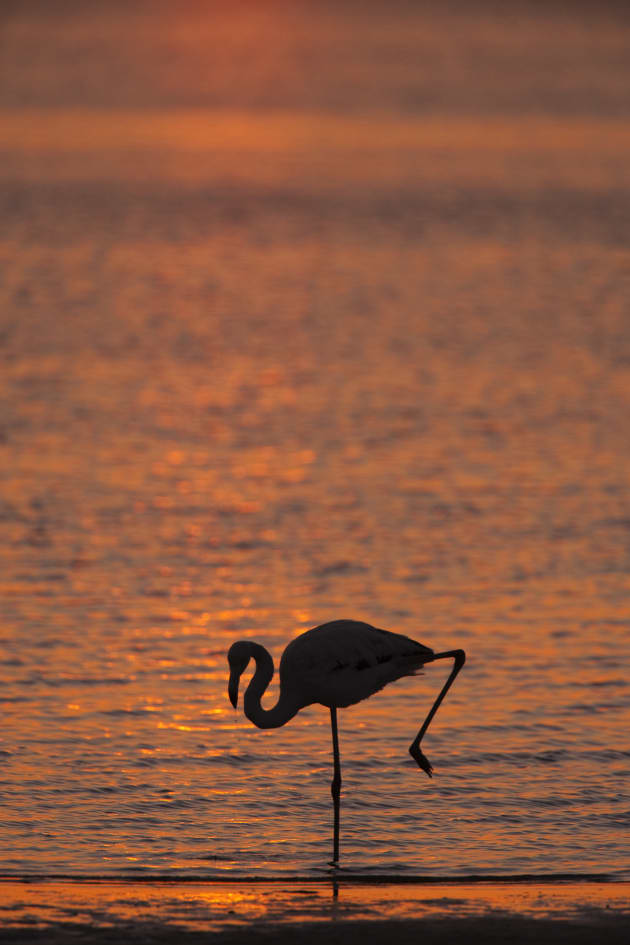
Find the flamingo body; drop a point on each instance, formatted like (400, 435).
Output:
(337, 664)
(345, 661)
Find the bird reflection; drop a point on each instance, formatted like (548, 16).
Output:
(337, 665)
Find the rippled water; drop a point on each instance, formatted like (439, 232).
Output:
(308, 316)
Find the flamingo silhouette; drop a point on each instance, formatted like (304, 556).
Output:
(337, 664)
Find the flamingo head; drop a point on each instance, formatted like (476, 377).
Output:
(238, 658)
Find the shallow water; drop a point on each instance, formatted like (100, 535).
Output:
(319, 326)
(154, 909)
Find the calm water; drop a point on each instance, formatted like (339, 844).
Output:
(312, 313)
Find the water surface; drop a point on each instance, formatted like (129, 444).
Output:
(309, 315)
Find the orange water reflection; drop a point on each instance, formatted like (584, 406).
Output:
(320, 150)
(272, 362)
(208, 906)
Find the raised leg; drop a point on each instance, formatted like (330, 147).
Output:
(414, 749)
(335, 787)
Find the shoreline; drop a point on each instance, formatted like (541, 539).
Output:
(311, 911)
(339, 875)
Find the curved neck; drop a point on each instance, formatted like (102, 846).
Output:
(285, 707)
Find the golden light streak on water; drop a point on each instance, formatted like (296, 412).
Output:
(215, 906)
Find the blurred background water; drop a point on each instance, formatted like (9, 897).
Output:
(312, 311)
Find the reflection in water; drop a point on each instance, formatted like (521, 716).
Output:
(278, 349)
(213, 906)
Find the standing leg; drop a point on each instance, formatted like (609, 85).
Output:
(414, 749)
(335, 787)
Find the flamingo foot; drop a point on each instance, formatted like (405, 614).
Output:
(421, 759)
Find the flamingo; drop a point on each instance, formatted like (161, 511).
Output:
(336, 665)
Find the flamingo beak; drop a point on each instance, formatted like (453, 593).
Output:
(233, 688)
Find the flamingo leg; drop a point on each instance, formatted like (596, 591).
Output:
(335, 787)
(414, 749)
